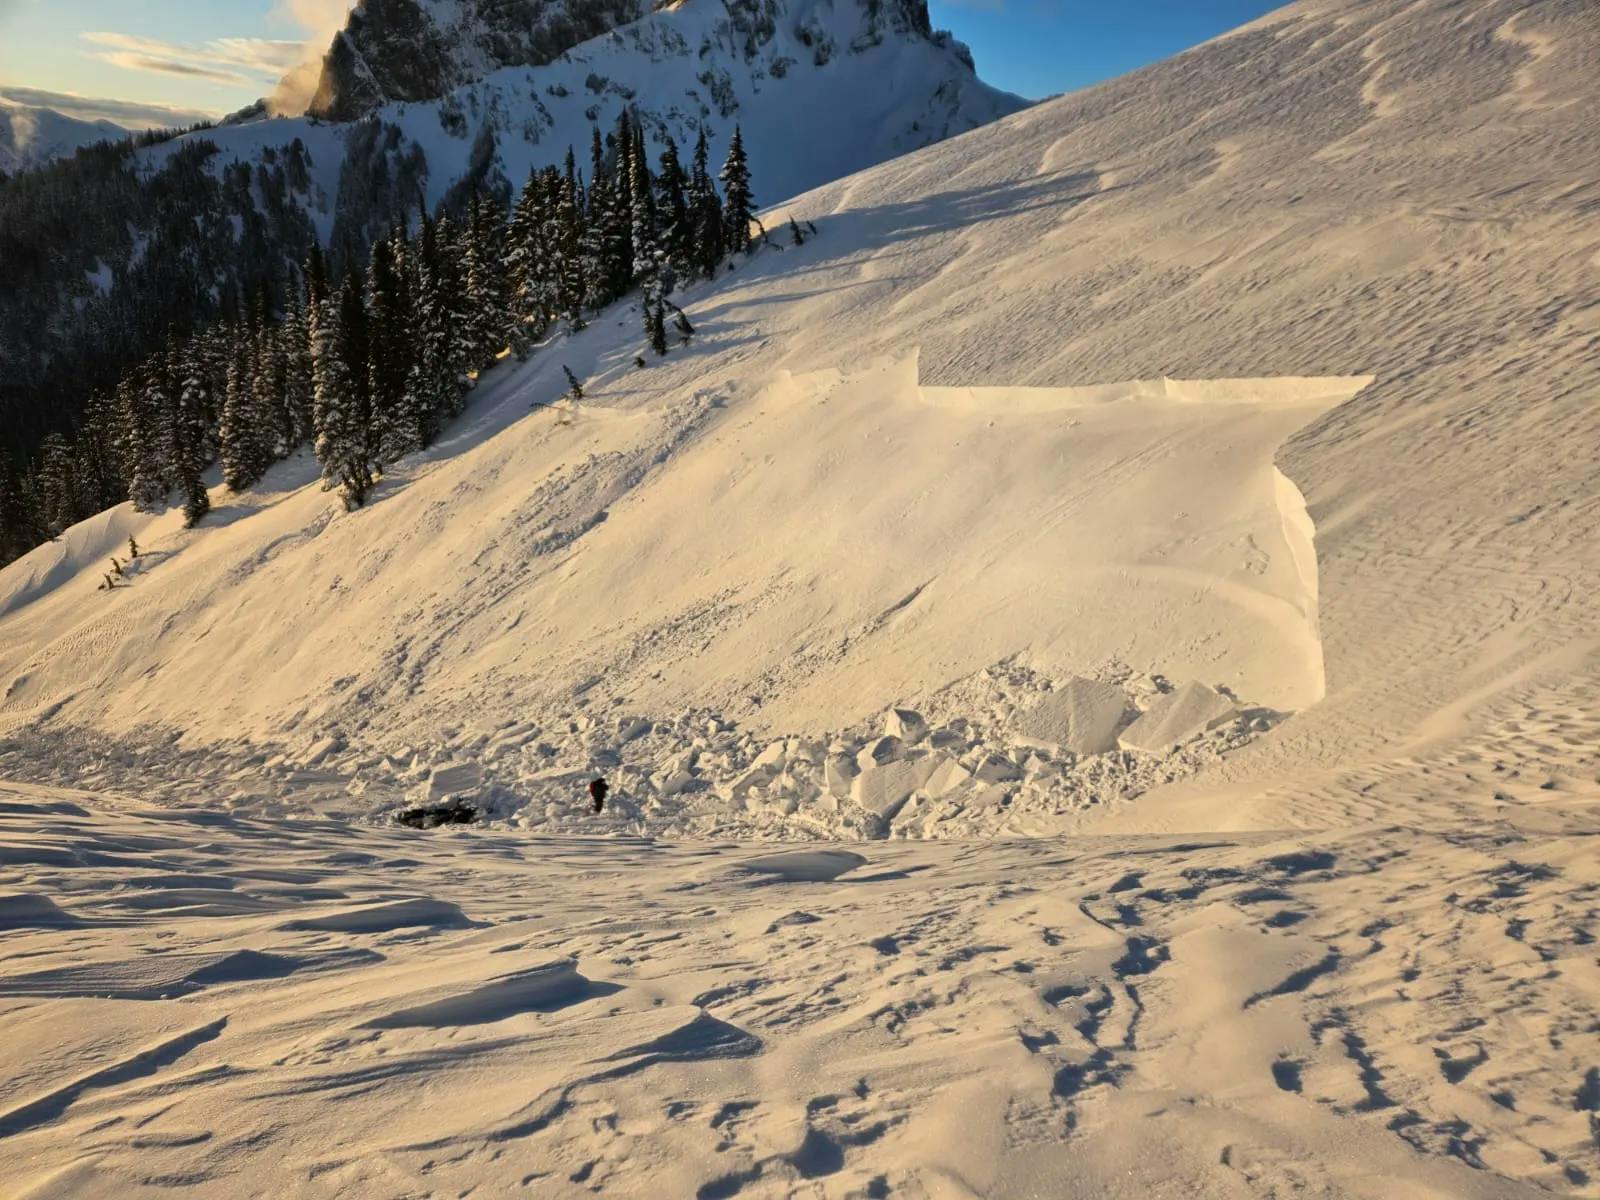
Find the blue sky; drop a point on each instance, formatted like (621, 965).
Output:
(1037, 48)
(148, 62)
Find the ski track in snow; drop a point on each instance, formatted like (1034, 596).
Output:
(1349, 953)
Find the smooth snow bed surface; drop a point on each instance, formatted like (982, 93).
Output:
(239, 1007)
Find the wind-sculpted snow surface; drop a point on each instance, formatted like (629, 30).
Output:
(1108, 1016)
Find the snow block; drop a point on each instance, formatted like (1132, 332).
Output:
(905, 724)
(680, 782)
(837, 774)
(1081, 717)
(1177, 717)
(454, 779)
(946, 776)
(996, 768)
(884, 790)
(772, 757)
(804, 866)
(879, 751)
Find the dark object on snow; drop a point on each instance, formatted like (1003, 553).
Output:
(597, 792)
(431, 816)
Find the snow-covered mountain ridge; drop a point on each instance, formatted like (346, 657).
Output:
(422, 49)
(820, 89)
(30, 135)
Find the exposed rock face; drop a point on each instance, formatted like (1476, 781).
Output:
(421, 49)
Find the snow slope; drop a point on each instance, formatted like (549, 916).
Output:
(1347, 953)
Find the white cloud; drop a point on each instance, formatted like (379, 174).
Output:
(232, 60)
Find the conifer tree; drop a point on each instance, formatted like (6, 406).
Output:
(737, 201)
(526, 259)
(389, 331)
(488, 294)
(186, 379)
(55, 483)
(146, 456)
(243, 460)
(21, 527)
(705, 213)
(672, 214)
(338, 357)
(595, 236)
(294, 353)
(434, 390)
(567, 263)
(647, 255)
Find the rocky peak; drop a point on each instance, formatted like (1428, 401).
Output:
(422, 49)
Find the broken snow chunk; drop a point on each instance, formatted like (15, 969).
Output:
(320, 750)
(837, 774)
(632, 728)
(883, 790)
(905, 724)
(996, 768)
(806, 751)
(1177, 717)
(1081, 717)
(996, 795)
(946, 776)
(453, 779)
(879, 751)
(680, 782)
(773, 756)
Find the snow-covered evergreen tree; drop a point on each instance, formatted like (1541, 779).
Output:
(390, 347)
(294, 353)
(647, 252)
(56, 476)
(673, 221)
(241, 434)
(345, 436)
(143, 441)
(489, 310)
(705, 213)
(527, 260)
(189, 379)
(737, 201)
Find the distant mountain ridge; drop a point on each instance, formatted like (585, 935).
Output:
(30, 135)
